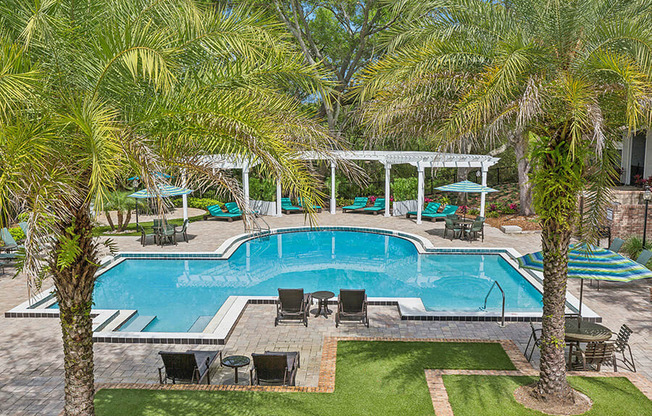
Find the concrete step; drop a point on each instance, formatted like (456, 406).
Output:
(137, 324)
(201, 323)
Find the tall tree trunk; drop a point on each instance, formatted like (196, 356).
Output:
(127, 219)
(552, 384)
(74, 279)
(521, 144)
(120, 217)
(107, 214)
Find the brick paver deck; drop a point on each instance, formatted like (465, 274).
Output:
(31, 364)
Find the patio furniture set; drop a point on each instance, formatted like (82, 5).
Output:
(192, 366)
(271, 367)
(294, 304)
(163, 232)
(599, 347)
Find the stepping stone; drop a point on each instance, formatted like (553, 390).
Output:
(511, 229)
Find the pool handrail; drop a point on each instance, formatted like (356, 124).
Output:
(495, 283)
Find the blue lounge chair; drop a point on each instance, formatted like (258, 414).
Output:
(232, 213)
(287, 207)
(10, 243)
(302, 204)
(431, 209)
(23, 226)
(379, 205)
(448, 210)
(358, 204)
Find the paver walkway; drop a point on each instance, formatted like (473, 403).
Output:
(31, 368)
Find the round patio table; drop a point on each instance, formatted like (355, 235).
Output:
(586, 331)
(235, 362)
(323, 296)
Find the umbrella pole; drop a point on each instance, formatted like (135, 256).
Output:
(579, 318)
(136, 213)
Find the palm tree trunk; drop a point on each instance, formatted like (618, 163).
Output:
(109, 219)
(74, 281)
(521, 143)
(552, 384)
(120, 217)
(127, 219)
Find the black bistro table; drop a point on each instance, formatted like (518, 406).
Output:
(235, 362)
(323, 296)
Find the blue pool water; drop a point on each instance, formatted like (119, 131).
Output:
(179, 292)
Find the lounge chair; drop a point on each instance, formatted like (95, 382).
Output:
(292, 304)
(274, 368)
(287, 207)
(431, 209)
(535, 339)
(379, 205)
(616, 245)
(10, 243)
(183, 231)
(643, 258)
(453, 227)
(303, 204)
(359, 203)
(594, 355)
(215, 211)
(144, 235)
(622, 345)
(352, 306)
(477, 227)
(448, 210)
(190, 366)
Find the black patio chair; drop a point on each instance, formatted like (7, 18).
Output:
(352, 306)
(622, 346)
(535, 339)
(183, 231)
(292, 304)
(477, 227)
(274, 368)
(453, 227)
(190, 367)
(144, 235)
(644, 257)
(616, 245)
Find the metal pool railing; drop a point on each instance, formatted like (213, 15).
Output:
(484, 307)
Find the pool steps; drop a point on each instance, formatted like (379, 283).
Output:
(200, 323)
(138, 324)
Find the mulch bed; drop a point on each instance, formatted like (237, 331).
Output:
(526, 223)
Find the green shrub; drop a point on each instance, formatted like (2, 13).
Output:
(444, 200)
(405, 189)
(493, 214)
(343, 202)
(17, 233)
(474, 211)
(633, 246)
(200, 203)
(262, 189)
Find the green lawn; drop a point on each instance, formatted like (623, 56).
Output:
(131, 229)
(372, 378)
(493, 396)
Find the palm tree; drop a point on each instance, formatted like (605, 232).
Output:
(92, 89)
(565, 75)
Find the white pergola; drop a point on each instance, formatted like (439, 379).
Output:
(421, 160)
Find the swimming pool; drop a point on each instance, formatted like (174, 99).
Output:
(183, 295)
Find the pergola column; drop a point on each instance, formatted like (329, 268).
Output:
(483, 195)
(420, 171)
(388, 168)
(279, 195)
(184, 197)
(245, 186)
(333, 204)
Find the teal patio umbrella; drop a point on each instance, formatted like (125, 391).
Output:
(466, 187)
(164, 191)
(590, 262)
